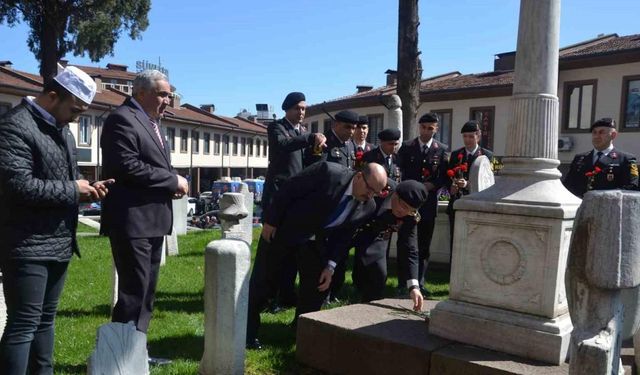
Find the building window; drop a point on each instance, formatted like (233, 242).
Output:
(630, 103)
(184, 135)
(485, 117)
(579, 105)
(99, 121)
(206, 143)
(234, 146)
(195, 142)
(84, 131)
(243, 146)
(4, 108)
(264, 148)
(314, 126)
(326, 124)
(444, 126)
(225, 140)
(171, 138)
(250, 144)
(216, 144)
(376, 124)
(258, 143)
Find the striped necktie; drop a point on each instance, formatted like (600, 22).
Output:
(157, 130)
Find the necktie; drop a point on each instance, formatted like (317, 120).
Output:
(599, 155)
(297, 131)
(157, 130)
(342, 206)
(424, 149)
(389, 162)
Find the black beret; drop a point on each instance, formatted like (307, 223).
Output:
(470, 127)
(292, 99)
(429, 117)
(412, 193)
(363, 120)
(390, 134)
(606, 122)
(349, 117)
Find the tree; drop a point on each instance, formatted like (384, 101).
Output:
(409, 66)
(78, 26)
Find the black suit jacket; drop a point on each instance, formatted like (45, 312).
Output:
(618, 170)
(430, 167)
(339, 152)
(139, 203)
(367, 146)
(376, 156)
(286, 148)
(305, 202)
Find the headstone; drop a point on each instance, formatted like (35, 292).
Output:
(247, 222)
(226, 296)
(171, 243)
(603, 259)
(120, 350)
(481, 175)
(3, 308)
(232, 212)
(180, 210)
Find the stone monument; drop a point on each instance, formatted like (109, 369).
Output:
(3, 308)
(603, 260)
(180, 210)
(481, 175)
(511, 240)
(120, 350)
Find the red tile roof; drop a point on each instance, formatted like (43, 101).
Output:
(107, 73)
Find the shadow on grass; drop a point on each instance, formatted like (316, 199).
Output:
(189, 348)
(70, 369)
(99, 310)
(188, 302)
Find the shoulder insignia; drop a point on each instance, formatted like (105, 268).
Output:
(633, 169)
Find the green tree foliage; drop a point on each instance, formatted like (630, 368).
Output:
(80, 26)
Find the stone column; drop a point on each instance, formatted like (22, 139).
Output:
(511, 240)
(3, 308)
(394, 112)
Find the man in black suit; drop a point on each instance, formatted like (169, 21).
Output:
(459, 166)
(424, 159)
(359, 138)
(603, 168)
(137, 213)
(339, 148)
(386, 153)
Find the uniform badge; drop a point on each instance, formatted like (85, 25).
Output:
(633, 169)
(609, 177)
(335, 152)
(613, 155)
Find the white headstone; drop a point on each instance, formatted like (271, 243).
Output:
(180, 210)
(232, 212)
(120, 350)
(171, 242)
(3, 308)
(247, 222)
(481, 175)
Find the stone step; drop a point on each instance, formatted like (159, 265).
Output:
(386, 337)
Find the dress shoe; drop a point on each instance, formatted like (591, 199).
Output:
(254, 344)
(156, 361)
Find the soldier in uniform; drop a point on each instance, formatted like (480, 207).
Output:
(459, 166)
(424, 159)
(359, 138)
(339, 148)
(386, 153)
(603, 168)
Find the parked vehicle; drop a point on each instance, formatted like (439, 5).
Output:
(90, 209)
(192, 206)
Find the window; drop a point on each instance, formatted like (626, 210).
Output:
(171, 138)
(264, 148)
(444, 126)
(326, 124)
(258, 143)
(630, 103)
(99, 121)
(314, 127)
(376, 124)
(206, 143)
(225, 139)
(84, 131)
(195, 142)
(250, 143)
(4, 108)
(579, 105)
(485, 117)
(184, 135)
(234, 146)
(216, 144)
(243, 146)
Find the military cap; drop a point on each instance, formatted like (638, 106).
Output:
(470, 127)
(349, 117)
(412, 193)
(389, 135)
(292, 99)
(429, 117)
(362, 120)
(605, 122)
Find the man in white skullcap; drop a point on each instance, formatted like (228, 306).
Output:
(40, 189)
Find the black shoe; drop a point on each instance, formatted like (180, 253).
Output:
(155, 361)
(253, 344)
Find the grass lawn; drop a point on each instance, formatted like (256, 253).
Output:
(176, 329)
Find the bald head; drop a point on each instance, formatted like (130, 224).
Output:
(369, 182)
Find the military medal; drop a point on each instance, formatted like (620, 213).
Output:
(609, 177)
(335, 152)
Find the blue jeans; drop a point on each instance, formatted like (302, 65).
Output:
(31, 290)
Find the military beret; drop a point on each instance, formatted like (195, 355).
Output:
(389, 134)
(470, 127)
(349, 117)
(606, 122)
(292, 99)
(412, 193)
(429, 117)
(362, 120)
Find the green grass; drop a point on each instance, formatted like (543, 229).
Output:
(176, 330)
(83, 228)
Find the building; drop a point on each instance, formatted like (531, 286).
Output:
(204, 146)
(597, 78)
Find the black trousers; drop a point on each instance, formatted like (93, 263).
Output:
(311, 261)
(370, 273)
(338, 276)
(32, 290)
(425, 234)
(137, 261)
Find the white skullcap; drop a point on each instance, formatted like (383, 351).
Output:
(78, 83)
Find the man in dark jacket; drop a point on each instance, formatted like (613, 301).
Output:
(339, 148)
(40, 188)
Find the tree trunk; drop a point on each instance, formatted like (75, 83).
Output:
(409, 68)
(51, 32)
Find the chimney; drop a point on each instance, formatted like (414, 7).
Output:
(175, 101)
(363, 88)
(208, 107)
(122, 68)
(392, 77)
(6, 64)
(98, 81)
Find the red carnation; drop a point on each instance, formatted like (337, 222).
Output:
(384, 193)
(463, 167)
(460, 156)
(589, 174)
(359, 155)
(451, 173)
(425, 172)
(597, 170)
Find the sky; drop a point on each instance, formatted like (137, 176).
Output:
(235, 54)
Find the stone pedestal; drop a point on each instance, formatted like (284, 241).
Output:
(3, 308)
(180, 210)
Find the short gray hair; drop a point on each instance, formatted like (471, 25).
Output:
(146, 80)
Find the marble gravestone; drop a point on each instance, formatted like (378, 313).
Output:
(3, 308)
(481, 174)
(120, 350)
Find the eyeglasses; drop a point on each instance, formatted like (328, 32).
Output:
(369, 188)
